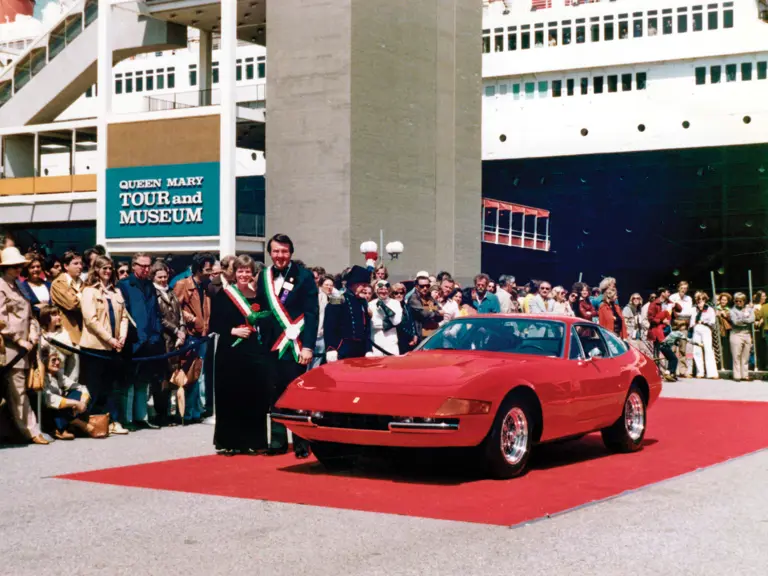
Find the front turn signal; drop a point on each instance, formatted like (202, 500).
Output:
(459, 407)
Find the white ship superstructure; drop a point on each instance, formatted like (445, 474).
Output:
(565, 78)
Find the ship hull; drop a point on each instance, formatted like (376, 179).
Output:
(646, 218)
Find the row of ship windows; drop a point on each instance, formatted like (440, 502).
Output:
(149, 80)
(640, 128)
(609, 27)
(716, 72)
(600, 84)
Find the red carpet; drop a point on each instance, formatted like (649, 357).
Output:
(683, 435)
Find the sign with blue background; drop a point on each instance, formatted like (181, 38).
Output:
(163, 201)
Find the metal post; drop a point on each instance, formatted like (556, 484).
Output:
(228, 129)
(717, 325)
(536, 231)
(36, 161)
(205, 50)
(104, 99)
(546, 237)
(498, 211)
(754, 341)
(72, 155)
(511, 213)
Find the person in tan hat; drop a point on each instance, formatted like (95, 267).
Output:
(21, 332)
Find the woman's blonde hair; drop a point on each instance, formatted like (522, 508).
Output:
(700, 294)
(98, 264)
(739, 296)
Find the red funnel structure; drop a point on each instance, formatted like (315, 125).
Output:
(10, 8)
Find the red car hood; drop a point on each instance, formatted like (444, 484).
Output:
(416, 384)
(419, 373)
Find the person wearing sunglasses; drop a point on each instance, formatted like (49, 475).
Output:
(406, 330)
(105, 329)
(542, 303)
(637, 325)
(386, 315)
(19, 330)
(426, 312)
(145, 338)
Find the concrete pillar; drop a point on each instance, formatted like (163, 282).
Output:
(205, 73)
(104, 109)
(383, 133)
(228, 128)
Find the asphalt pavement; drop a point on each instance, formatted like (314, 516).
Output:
(711, 521)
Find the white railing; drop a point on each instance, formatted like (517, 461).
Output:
(44, 48)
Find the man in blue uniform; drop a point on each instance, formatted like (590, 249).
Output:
(347, 323)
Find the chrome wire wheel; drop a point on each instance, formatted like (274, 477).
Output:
(634, 416)
(514, 436)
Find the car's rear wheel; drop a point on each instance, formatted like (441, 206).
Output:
(628, 432)
(508, 446)
(334, 456)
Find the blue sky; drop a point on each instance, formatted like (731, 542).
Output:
(39, 7)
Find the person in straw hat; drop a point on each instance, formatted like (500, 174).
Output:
(21, 333)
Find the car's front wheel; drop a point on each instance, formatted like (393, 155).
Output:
(508, 446)
(334, 456)
(628, 432)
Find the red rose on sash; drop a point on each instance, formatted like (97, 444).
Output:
(255, 307)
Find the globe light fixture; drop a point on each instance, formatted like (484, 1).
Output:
(394, 249)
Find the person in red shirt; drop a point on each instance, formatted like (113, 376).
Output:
(659, 318)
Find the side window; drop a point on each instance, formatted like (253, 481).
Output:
(574, 353)
(591, 341)
(616, 346)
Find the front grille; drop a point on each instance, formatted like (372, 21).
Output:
(353, 421)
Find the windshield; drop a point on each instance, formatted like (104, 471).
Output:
(510, 335)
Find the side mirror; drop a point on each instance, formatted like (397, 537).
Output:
(595, 353)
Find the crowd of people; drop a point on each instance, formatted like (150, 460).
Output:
(132, 340)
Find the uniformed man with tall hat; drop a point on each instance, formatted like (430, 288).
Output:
(347, 325)
(289, 291)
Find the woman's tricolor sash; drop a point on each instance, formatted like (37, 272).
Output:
(292, 329)
(244, 307)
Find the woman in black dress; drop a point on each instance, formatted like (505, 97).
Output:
(242, 374)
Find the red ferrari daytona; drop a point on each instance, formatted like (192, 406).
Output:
(500, 383)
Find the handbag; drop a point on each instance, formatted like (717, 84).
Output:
(179, 378)
(193, 369)
(36, 377)
(100, 423)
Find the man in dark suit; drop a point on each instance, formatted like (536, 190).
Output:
(145, 338)
(290, 292)
(347, 324)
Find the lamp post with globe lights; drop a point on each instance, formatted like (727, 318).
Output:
(394, 249)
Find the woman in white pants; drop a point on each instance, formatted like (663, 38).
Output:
(703, 321)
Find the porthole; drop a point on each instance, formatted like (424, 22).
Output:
(686, 124)
(641, 127)
(584, 131)
(87, 167)
(45, 172)
(747, 119)
(253, 156)
(503, 137)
